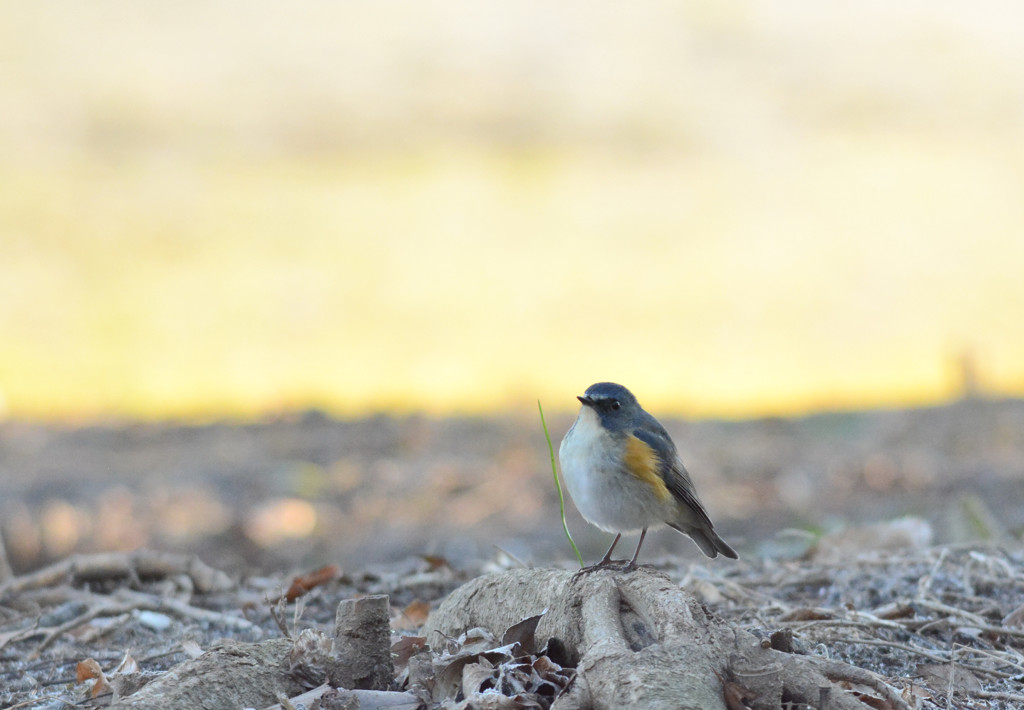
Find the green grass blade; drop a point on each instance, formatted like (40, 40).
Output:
(558, 485)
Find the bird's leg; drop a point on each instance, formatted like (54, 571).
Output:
(632, 562)
(607, 559)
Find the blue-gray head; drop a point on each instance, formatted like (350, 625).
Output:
(614, 404)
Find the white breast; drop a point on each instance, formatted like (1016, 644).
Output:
(605, 495)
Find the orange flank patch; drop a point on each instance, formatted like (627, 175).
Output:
(642, 462)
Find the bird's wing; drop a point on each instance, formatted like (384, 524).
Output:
(671, 468)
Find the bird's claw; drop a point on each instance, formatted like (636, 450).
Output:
(615, 565)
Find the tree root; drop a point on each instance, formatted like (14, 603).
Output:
(233, 674)
(638, 640)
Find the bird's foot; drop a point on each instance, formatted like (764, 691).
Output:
(621, 565)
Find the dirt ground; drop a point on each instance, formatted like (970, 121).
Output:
(834, 515)
(300, 490)
(942, 627)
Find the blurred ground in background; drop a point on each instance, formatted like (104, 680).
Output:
(306, 490)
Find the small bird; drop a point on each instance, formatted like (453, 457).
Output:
(624, 473)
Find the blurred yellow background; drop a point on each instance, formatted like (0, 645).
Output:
(734, 208)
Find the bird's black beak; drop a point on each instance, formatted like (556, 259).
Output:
(586, 401)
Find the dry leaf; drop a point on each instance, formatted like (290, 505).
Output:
(436, 561)
(101, 686)
(87, 670)
(872, 702)
(477, 677)
(474, 645)
(782, 640)
(304, 582)
(417, 612)
(523, 634)
(735, 695)
(914, 693)
(551, 679)
(127, 665)
(405, 648)
(489, 701)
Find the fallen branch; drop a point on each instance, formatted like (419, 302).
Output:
(361, 699)
(921, 652)
(106, 566)
(125, 601)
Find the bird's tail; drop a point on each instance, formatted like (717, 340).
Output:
(709, 542)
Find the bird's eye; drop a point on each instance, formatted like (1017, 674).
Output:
(615, 404)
